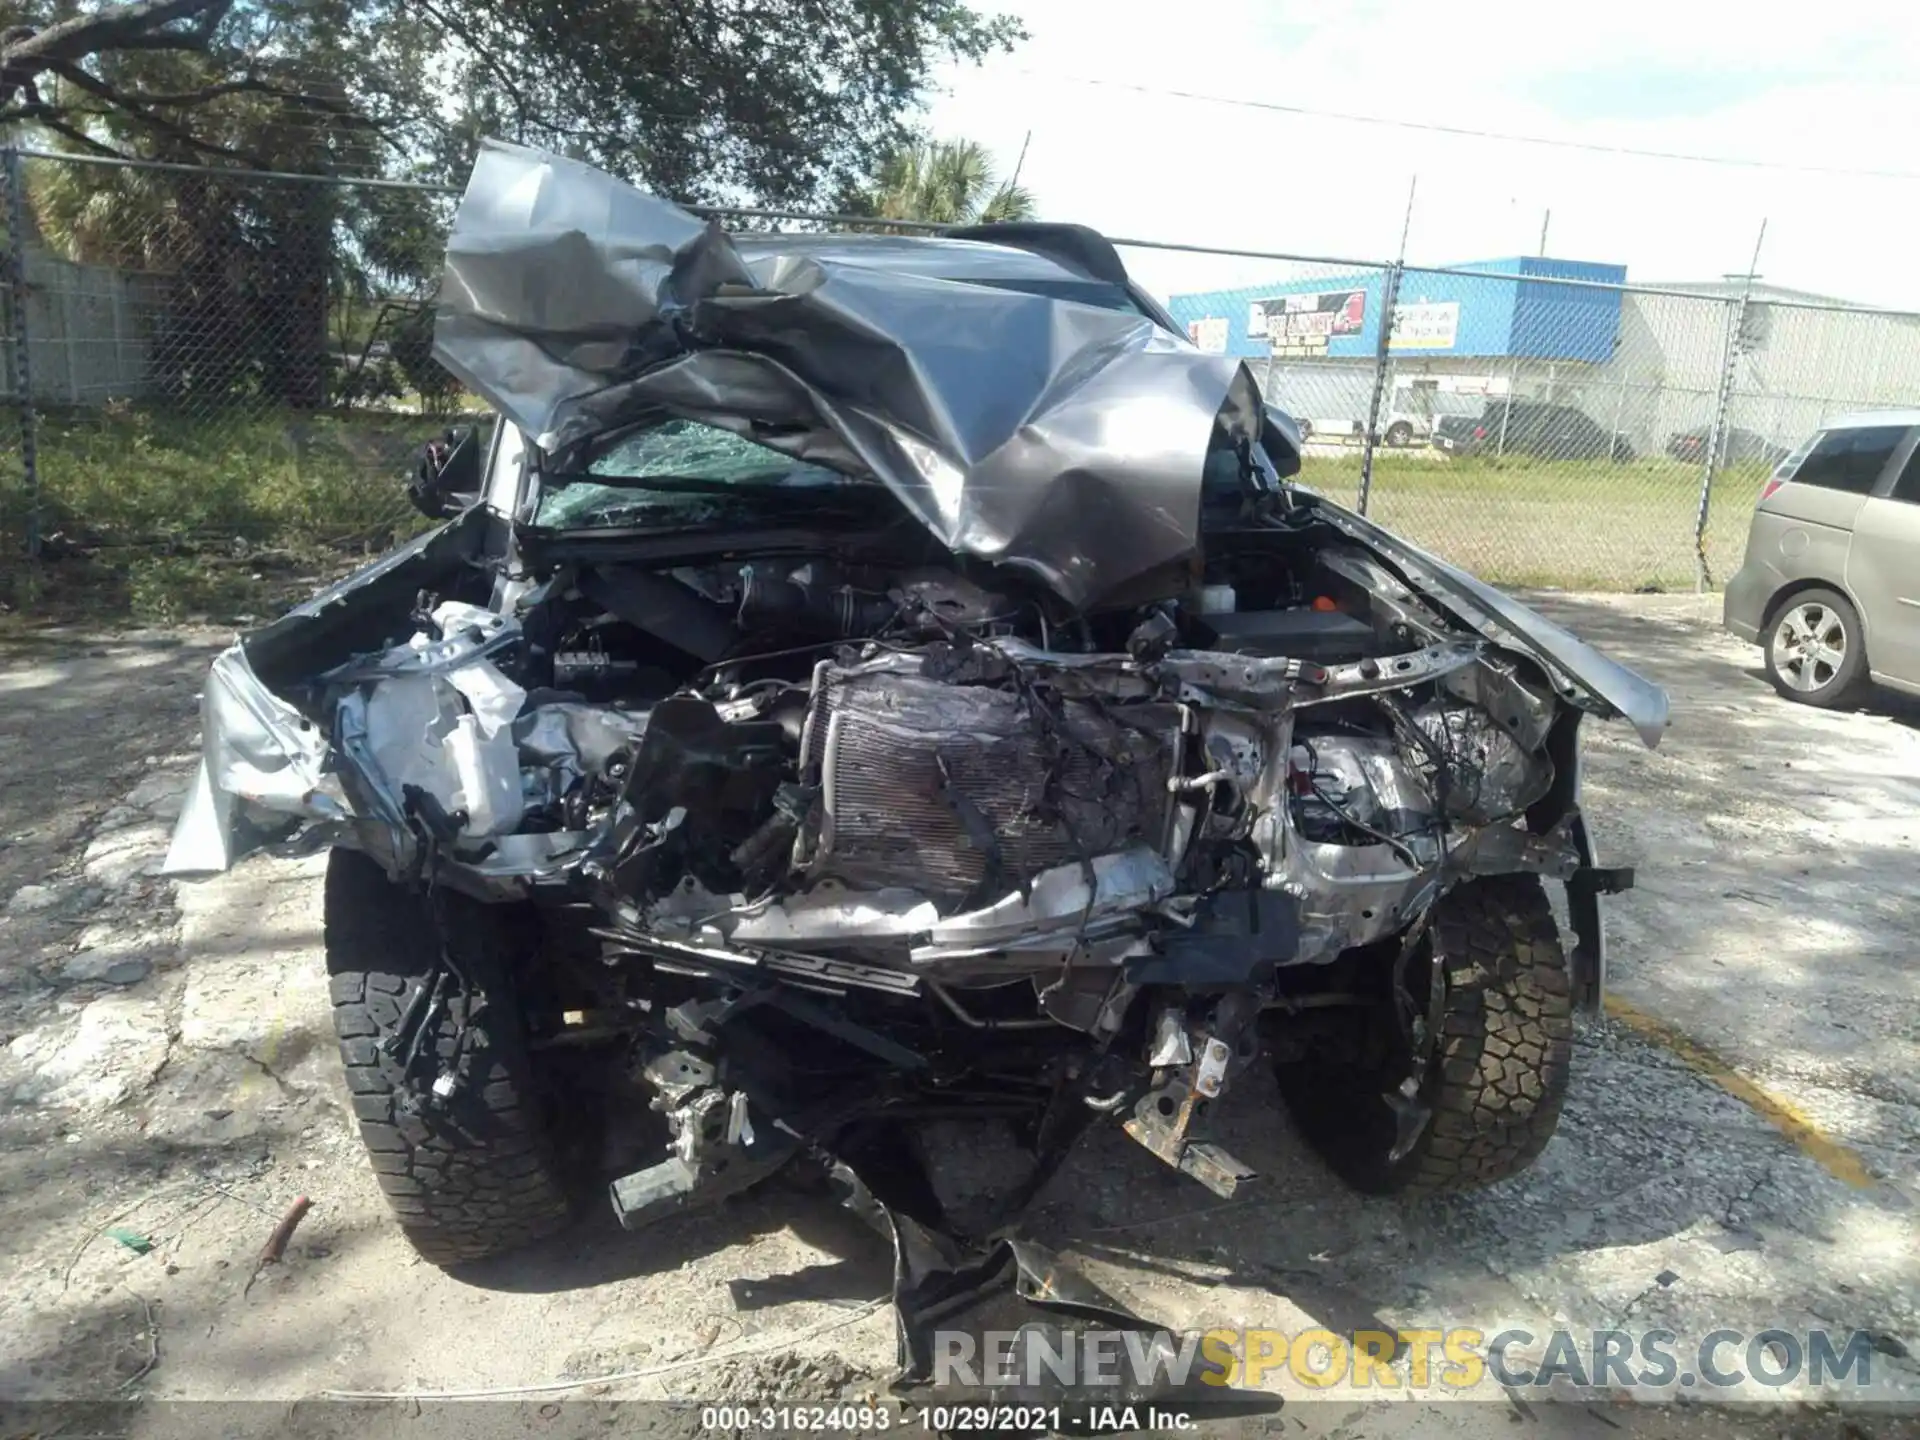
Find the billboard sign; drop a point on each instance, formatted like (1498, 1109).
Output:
(1209, 333)
(1295, 325)
(1425, 326)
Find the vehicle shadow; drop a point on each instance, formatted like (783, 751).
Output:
(1873, 700)
(1681, 1169)
(67, 749)
(856, 1264)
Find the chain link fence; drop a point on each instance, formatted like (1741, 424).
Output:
(214, 382)
(1532, 427)
(1542, 422)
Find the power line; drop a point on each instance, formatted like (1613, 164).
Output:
(1348, 117)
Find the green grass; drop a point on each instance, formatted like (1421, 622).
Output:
(1568, 524)
(164, 516)
(161, 516)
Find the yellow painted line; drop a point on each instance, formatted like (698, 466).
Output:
(1838, 1160)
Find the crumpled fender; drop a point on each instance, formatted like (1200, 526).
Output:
(255, 749)
(1505, 621)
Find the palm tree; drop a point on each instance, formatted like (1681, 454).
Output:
(946, 182)
(129, 219)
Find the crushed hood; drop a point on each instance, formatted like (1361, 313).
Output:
(1053, 436)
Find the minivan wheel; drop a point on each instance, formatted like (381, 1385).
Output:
(1816, 653)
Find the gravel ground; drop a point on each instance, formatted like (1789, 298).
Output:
(169, 1086)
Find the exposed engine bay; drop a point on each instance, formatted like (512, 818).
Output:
(920, 822)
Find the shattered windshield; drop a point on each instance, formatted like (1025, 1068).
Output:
(675, 472)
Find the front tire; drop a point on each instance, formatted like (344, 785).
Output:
(475, 1173)
(1399, 435)
(1499, 1072)
(1816, 650)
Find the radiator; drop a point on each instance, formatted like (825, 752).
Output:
(922, 783)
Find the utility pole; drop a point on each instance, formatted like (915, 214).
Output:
(1015, 180)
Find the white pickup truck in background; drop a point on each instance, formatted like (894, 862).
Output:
(1330, 406)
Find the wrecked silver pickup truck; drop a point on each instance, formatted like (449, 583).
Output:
(887, 678)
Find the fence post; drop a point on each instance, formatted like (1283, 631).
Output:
(1392, 298)
(1729, 359)
(1729, 355)
(117, 299)
(1506, 406)
(16, 272)
(69, 327)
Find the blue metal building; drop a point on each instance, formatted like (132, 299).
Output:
(1496, 310)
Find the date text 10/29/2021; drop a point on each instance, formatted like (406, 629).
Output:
(940, 1419)
(1653, 1364)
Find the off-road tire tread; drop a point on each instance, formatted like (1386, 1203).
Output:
(476, 1175)
(1499, 1074)
(1506, 1048)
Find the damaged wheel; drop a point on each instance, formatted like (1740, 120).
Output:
(1489, 1097)
(455, 1125)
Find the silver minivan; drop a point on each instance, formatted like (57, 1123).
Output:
(1831, 585)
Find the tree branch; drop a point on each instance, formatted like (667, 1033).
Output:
(249, 86)
(100, 90)
(484, 54)
(46, 115)
(139, 26)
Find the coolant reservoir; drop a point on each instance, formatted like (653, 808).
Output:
(1217, 599)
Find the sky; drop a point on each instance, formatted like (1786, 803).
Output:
(1835, 84)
